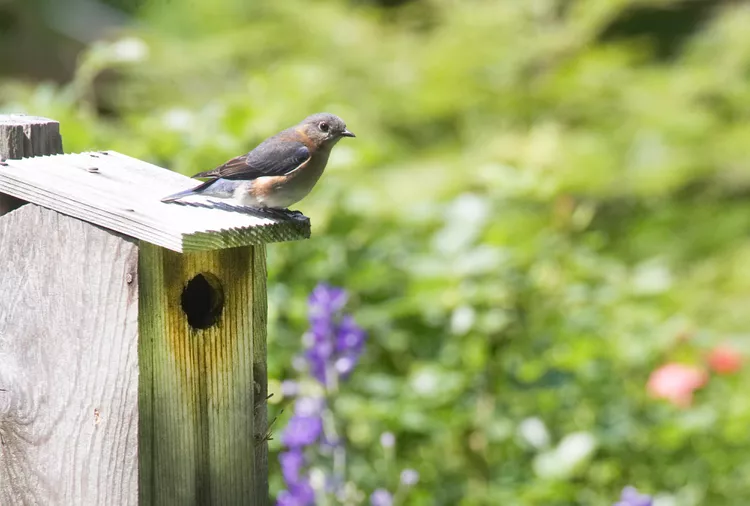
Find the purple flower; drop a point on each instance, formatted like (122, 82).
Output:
(409, 477)
(318, 357)
(334, 342)
(299, 494)
(345, 365)
(350, 337)
(333, 346)
(302, 430)
(381, 497)
(326, 300)
(631, 497)
(291, 464)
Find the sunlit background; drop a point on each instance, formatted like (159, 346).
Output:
(542, 223)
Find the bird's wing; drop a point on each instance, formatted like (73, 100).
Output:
(269, 159)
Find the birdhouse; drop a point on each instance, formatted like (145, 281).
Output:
(132, 332)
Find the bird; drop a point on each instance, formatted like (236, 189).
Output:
(279, 172)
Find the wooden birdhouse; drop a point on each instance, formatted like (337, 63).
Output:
(132, 332)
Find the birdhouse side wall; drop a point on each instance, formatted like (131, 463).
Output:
(68, 362)
(203, 381)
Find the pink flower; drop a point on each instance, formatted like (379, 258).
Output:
(725, 360)
(676, 383)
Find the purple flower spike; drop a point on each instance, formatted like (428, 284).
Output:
(334, 342)
(381, 497)
(631, 497)
(302, 431)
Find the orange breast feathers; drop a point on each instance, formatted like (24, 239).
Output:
(264, 187)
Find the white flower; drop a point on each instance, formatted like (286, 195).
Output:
(178, 119)
(129, 49)
(534, 432)
(409, 477)
(387, 439)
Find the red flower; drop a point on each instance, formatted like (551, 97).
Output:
(725, 360)
(676, 383)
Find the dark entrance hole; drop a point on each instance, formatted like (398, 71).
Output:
(203, 300)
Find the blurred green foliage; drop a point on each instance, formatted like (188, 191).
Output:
(535, 214)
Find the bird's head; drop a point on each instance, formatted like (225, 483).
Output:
(324, 129)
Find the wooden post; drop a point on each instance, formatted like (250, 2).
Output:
(23, 136)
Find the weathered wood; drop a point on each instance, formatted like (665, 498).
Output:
(85, 416)
(22, 136)
(68, 362)
(196, 393)
(260, 373)
(123, 194)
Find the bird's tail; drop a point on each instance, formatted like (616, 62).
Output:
(192, 191)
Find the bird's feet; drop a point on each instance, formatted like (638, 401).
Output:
(277, 213)
(295, 215)
(285, 214)
(260, 212)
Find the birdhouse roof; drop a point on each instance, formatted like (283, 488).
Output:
(123, 194)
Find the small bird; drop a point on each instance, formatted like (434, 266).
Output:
(280, 171)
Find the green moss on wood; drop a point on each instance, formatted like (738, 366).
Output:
(197, 393)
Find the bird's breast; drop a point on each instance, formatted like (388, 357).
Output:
(283, 191)
(310, 171)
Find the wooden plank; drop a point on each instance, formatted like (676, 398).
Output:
(196, 391)
(123, 193)
(22, 136)
(260, 373)
(68, 362)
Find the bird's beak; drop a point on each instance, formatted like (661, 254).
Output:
(347, 133)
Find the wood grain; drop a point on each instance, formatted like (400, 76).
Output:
(123, 194)
(68, 362)
(260, 373)
(23, 136)
(197, 395)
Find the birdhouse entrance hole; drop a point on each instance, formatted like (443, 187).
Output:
(203, 300)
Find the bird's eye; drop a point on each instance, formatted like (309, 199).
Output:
(323, 126)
